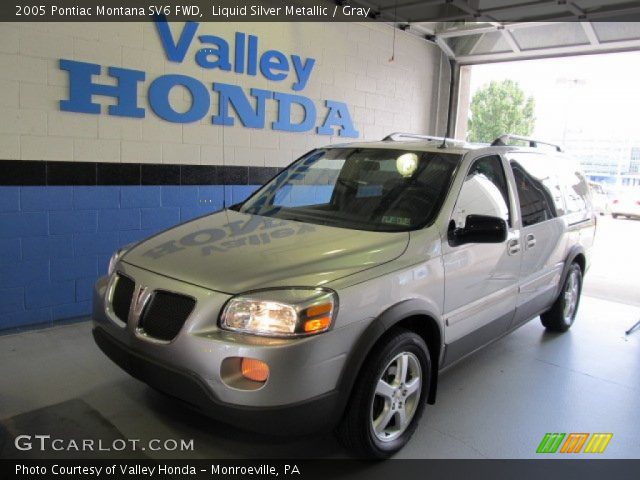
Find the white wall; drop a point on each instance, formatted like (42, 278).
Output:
(352, 65)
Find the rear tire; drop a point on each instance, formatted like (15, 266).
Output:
(388, 398)
(614, 215)
(563, 312)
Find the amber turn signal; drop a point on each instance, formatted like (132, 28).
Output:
(255, 370)
(318, 318)
(317, 310)
(317, 324)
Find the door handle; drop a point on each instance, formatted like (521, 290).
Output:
(513, 246)
(531, 240)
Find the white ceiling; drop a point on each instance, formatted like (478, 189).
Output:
(481, 31)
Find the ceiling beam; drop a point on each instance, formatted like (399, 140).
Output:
(414, 3)
(508, 36)
(602, 12)
(465, 7)
(599, 14)
(590, 33)
(533, 3)
(611, 11)
(392, 18)
(477, 14)
(488, 12)
(608, 47)
(573, 8)
(459, 32)
(476, 43)
(444, 46)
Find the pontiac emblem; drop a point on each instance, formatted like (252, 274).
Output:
(141, 297)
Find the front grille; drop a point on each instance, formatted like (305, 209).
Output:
(165, 314)
(122, 297)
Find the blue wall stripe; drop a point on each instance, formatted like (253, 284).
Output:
(56, 240)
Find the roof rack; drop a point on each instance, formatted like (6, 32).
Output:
(503, 140)
(396, 136)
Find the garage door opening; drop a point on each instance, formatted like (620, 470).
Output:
(588, 104)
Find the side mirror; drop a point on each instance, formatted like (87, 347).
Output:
(479, 229)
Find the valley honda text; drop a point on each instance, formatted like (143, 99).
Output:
(151, 470)
(243, 54)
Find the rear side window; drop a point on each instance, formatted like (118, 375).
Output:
(550, 186)
(538, 186)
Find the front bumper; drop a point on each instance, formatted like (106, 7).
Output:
(306, 417)
(301, 393)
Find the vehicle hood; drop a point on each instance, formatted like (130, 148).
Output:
(235, 252)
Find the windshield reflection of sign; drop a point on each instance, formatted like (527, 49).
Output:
(264, 203)
(253, 232)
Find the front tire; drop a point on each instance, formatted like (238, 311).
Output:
(563, 312)
(389, 397)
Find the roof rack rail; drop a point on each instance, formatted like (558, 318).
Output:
(503, 140)
(395, 136)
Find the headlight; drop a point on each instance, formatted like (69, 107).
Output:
(115, 258)
(281, 313)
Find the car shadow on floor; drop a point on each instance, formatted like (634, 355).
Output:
(74, 421)
(68, 430)
(227, 441)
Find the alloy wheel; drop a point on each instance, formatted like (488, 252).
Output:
(396, 397)
(571, 296)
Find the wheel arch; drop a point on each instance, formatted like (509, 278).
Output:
(581, 260)
(577, 254)
(413, 315)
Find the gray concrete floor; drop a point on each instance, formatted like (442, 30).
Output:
(498, 403)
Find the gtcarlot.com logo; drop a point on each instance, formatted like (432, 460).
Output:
(574, 442)
(45, 443)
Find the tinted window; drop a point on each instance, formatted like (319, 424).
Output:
(536, 201)
(567, 190)
(543, 169)
(361, 188)
(484, 191)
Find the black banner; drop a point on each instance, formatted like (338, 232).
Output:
(187, 10)
(402, 12)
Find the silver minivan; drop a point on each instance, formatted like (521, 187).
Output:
(332, 298)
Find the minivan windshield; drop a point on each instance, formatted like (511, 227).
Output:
(360, 188)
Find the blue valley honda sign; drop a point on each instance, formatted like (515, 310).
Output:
(242, 57)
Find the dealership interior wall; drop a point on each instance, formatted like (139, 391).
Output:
(76, 186)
